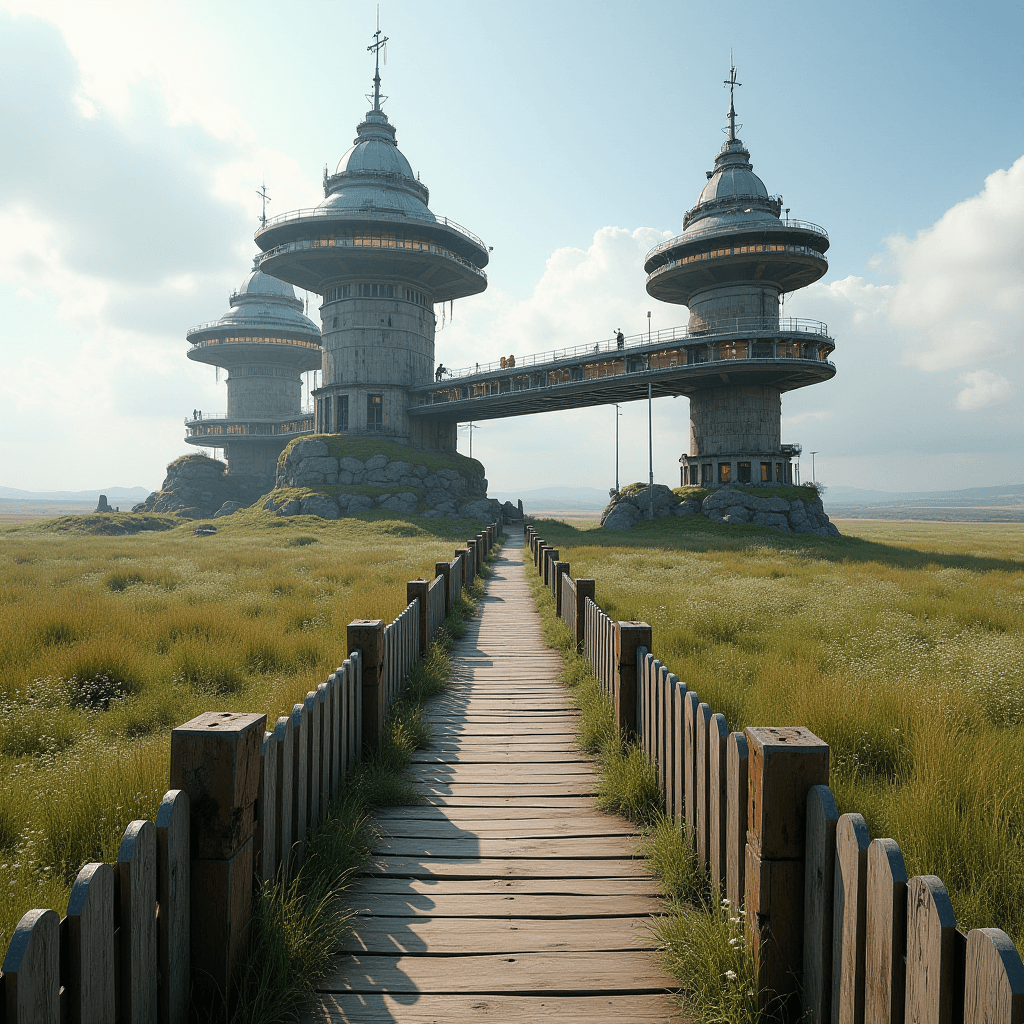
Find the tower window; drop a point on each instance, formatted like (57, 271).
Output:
(705, 474)
(375, 412)
(725, 472)
(327, 416)
(743, 472)
(766, 472)
(342, 412)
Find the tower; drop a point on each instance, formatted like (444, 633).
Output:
(380, 260)
(265, 343)
(732, 264)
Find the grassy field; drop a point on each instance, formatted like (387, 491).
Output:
(900, 644)
(106, 642)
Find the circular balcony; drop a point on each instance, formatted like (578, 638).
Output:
(221, 431)
(239, 349)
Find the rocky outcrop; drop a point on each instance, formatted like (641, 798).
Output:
(726, 505)
(198, 487)
(403, 485)
(104, 506)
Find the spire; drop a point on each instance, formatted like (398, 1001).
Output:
(732, 83)
(379, 43)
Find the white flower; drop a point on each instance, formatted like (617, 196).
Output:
(731, 975)
(734, 942)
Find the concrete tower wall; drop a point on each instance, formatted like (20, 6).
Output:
(735, 419)
(263, 393)
(742, 300)
(255, 465)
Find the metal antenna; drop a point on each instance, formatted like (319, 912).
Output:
(732, 83)
(379, 43)
(266, 199)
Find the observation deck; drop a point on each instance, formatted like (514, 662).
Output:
(221, 431)
(786, 354)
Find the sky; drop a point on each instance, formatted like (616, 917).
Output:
(571, 136)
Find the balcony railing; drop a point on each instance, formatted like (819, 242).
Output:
(224, 429)
(720, 229)
(333, 242)
(362, 213)
(728, 326)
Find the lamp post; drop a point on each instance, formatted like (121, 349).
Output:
(648, 327)
(650, 450)
(618, 413)
(814, 477)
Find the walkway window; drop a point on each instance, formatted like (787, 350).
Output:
(725, 472)
(743, 472)
(766, 472)
(375, 412)
(705, 475)
(341, 405)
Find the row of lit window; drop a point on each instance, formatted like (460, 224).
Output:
(254, 340)
(263, 371)
(378, 242)
(739, 249)
(375, 291)
(702, 477)
(244, 428)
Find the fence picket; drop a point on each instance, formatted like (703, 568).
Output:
(994, 992)
(848, 919)
(173, 893)
(300, 783)
(265, 835)
(736, 818)
(718, 788)
(886, 933)
(283, 730)
(931, 934)
(703, 726)
(323, 697)
(31, 970)
(312, 779)
(690, 704)
(819, 879)
(136, 878)
(91, 990)
(679, 760)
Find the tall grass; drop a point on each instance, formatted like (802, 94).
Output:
(106, 643)
(902, 646)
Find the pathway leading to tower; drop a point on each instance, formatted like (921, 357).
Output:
(507, 895)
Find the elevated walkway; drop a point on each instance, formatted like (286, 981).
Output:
(506, 895)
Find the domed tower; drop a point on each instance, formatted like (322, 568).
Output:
(731, 266)
(381, 261)
(265, 343)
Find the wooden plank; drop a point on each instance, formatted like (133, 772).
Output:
(590, 847)
(522, 973)
(314, 715)
(497, 867)
(265, 832)
(849, 908)
(690, 704)
(400, 936)
(718, 783)
(173, 878)
(285, 753)
(323, 696)
(994, 990)
(502, 904)
(423, 828)
(931, 930)
(702, 725)
(31, 970)
(383, 1008)
(736, 818)
(136, 883)
(678, 757)
(300, 779)
(886, 932)
(819, 881)
(91, 988)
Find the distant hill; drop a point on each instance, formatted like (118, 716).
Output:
(1007, 496)
(133, 494)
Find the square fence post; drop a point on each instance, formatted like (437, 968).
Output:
(445, 569)
(584, 589)
(416, 590)
(367, 637)
(559, 569)
(215, 759)
(783, 765)
(628, 637)
(550, 557)
(466, 580)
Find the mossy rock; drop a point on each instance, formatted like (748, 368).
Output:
(342, 446)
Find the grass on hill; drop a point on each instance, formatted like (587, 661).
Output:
(901, 645)
(363, 448)
(107, 642)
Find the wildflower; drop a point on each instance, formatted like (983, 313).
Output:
(735, 942)
(731, 975)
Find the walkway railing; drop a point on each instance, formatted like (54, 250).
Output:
(165, 925)
(837, 930)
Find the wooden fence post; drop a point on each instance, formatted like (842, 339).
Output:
(849, 914)
(679, 758)
(690, 705)
(173, 889)
(628, 637)
(702, 726)
(416, 590)
(931, 937)
(31, 970)
(265, 832)
(285, 790)
(736, 814)
(819, 882)
(584, 589)
(215, 759)
(445, 569)
(885, 931)
(995, 979)
(367, 637)
(558, 569)
(313, 737)
(718, 783)
(550, 557)
(91, 991)
(464, 552)
(784, 763)
(136, 885)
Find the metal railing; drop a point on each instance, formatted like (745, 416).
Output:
(716, 328)
(374, 212)
(720, 229)
(221, 427)
(345, 243)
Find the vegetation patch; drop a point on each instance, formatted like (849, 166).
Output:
(362, 448)
(112, 524)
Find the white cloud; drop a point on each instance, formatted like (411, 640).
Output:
(984, 389)
(961, 290)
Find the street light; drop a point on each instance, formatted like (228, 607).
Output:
(470, 426)
(814, 478)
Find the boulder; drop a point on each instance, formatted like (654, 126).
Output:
(623, 515)
(687, 508)
(290, 508)
(404, 502)
(378, 461)
(359, 503)
(321, 505)
(350, 465)
(308, 449)
(736, 514)
(229, 508)
(773, 520)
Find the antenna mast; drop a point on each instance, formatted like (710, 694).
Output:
(732, 83)
(266, 199)
(379, 43)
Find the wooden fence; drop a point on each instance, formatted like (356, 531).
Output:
(166, 924)
(839, 933)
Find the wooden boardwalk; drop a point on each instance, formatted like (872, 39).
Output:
(506, 896)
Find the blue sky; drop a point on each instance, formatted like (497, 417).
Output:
(571, 136)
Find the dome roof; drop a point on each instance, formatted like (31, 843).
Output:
(733, 175)
(375, 148)
(258, 283)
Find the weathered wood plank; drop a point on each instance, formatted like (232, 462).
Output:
(886, 933)
(702, 724)
(503, 905)
(849, 909)
(589, 847)
(718, 785)
(819, 882)
(931, 931)
(994, 990)
(136, 871)
(173, 880)
(31, 970)
(91, 991)
(498, 867)
(637, 885)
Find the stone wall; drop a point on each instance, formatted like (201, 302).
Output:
(726, 505)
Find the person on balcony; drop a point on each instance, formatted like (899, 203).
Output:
(439, 372)
(620, 341)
